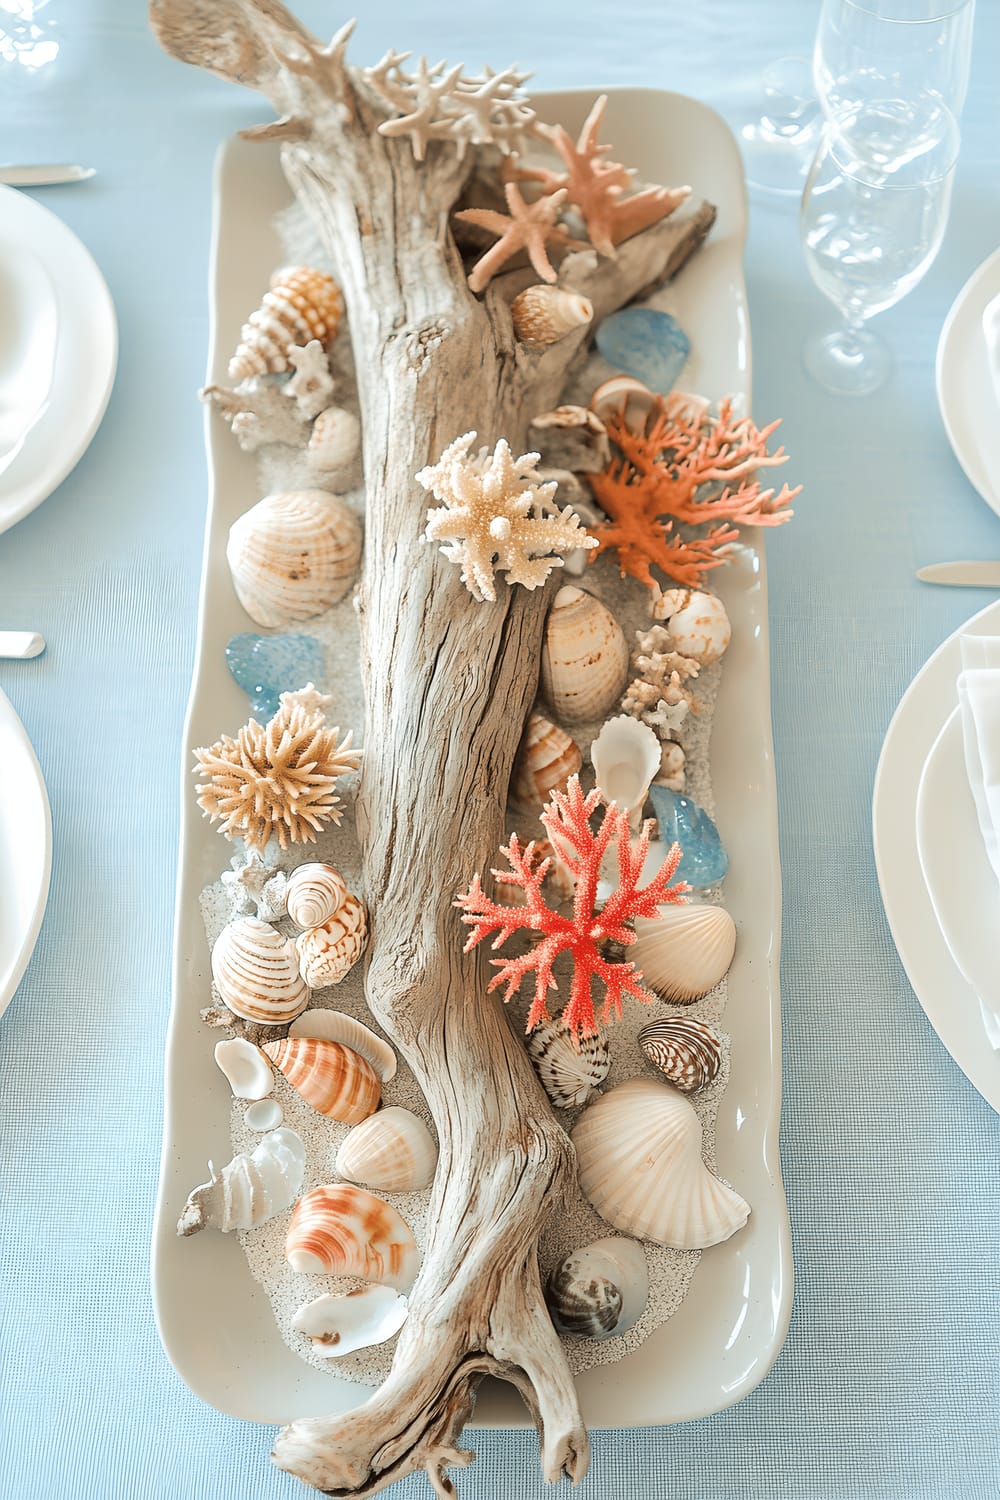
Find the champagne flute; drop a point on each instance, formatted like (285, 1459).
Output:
(899, 50)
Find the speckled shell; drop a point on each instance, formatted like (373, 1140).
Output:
(393, 1151)
(335, 439)
(696, 623)
(340, 1323)
(671, 774)
(337, 1082)
(638, 1151)
(313, 893)
(685, 951)
(341, 1230)
(547, 757)
(250, 1188)
(584, 657)
(570, 1069)
(544, 314)
(335, 1026)
(600, 1290)
(329, 951)
(302, 304)
(625, 757)
(293, 554)
(685, 1050)
(256, 972)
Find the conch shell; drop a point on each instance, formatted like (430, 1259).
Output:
(544, 314)
(584, 658)
(313, 893)
(341, 1230)
(337, 1082)
(393, 1151)
(250, 1188)
(293, 554)
(303, 304)
(685, 951)
(256, 972)
(546, 759)
(329, 951)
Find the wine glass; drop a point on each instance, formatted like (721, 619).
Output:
(901, 50)
(874, 212)
(778, 138)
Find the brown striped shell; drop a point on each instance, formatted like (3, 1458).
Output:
(336, 1081)
(685, 1050)
(341, 1230)
(570, 1068)
(544, 314)
(303, 304)
(547, 757)
(313, 893)
(256, 972)
(329, 951)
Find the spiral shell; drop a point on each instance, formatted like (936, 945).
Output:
(334, 1026)
(338, 1083)
(250, 1188)
(685, 951)
(303, 304)
(335, 439)
(293, 554)
(256, 972)
(393, 1151)
(329, 951)
(313, 893)
(570, 1068)
(544, 314)
(697, 624)
(599, 1291)
(584, 658)
(685, 1050)
(341, 1230)
(547, 758)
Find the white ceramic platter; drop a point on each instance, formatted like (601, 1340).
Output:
(949, 1000)
(25, 846)
(965, 386)
(85, 360)
(215, 1321)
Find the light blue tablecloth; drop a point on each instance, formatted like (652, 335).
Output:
(888, 1384)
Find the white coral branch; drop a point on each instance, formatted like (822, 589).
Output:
(437, 103)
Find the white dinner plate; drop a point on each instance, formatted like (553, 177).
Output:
(25, 847)
(950, 1002)
(86, 355)
(965, 386)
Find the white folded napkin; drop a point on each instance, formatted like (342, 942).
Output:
(979, 700)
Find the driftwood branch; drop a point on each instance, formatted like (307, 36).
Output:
(449, 682)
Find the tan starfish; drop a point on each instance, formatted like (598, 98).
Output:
(528, 227)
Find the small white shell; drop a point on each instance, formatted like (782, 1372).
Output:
(626, 757)
(266, 1114)
(339, 1324)
(546, 758)
(584, 657)
(293, 554)
(393, 1151)
(685, 951)
(329, 951)
(599, 1291)
(570, 1069)
(335, 1026)
(248, 1074)
(313, 893)
(697, 623)
(544, 314)
(256, 972)
(335, 439)
(249, 1189)
(671, 773)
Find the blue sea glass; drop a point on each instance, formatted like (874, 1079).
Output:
(682, 821)
(646, 343)
(265, 666)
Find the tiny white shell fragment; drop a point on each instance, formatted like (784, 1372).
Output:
(248, 1072)
(338, 1324)
(335, 1026)
(266, 1114)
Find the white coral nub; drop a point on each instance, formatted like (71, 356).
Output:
(444, 104)
(496, 515)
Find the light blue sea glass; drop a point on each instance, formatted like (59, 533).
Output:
(646, 343)
(704, 860)
(265, 666)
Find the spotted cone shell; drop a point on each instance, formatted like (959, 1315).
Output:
(585, 659)
(302, 304)
(256, 972)
(337, 1082)
(685, 1050)
(293, 554)
(570, 1069)
(341, 1230)
(546, 759)
(313, 893)
(329, 951)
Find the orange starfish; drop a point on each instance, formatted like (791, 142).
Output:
(528, 227)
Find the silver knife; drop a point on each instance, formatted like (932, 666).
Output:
(43, 176)
(979, 575)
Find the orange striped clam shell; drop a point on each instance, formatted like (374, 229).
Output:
(341, 1230)
(335, 1080)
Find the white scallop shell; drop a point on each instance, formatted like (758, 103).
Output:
(335, 1026)
(584, 657)
(685, 951)
(696, 623)
(393, 1151)
(638, 1151)
(256, 972)
(570, 1068)
(330, 950)
(245, 1067)
(249, 1189)
(340, 1323)
(600, 1290)
(266, 1114)
(544, 314)
(293, 554)
(335, 439)
(626, 757)
(313, 893)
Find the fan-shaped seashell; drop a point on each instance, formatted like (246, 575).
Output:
(248, 1074)
(393, 1151)
(584, 657)
(335, 439)
(685, 951)
(685, 1050)
(266, 1114)
(547, 757)
(334, 1026)
(293, 554)
(626, 757)
(302, 304)
(638, 1152)
(256, 972)
(570, 1069)
(329, 951)
(249, 1189)
(313, 893)
(340, 1323)
(544, 314)
(341, 1230)
(336, 1081)
(696, 623)
(599, 1291)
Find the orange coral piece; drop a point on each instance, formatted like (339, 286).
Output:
(528, 226)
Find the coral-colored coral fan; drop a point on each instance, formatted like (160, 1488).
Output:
(581, 848)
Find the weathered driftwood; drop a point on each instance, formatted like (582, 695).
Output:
(449, 682)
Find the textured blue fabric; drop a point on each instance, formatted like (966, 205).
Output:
(888, 1384)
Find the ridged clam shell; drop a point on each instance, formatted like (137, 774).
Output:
(685, 951)
(336, 1081)
(697, 624)
(599, 1291)
(335, 439)
(570, 1069)
(334, 1026)
(329, 951)
(638, 1151)
(249, 1189)
(626, 757)
(341, 1230)
(248, 1074)
(393, 1151)
(685, 1050)
(293, 554)
(302, 304)
(256, 972)
(313, 893)
(584, 657)
(340, 1323)
(547, 757)
(544, 314)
